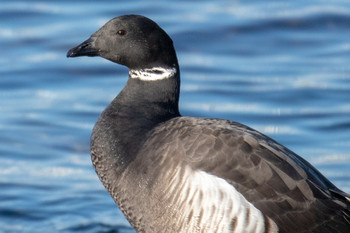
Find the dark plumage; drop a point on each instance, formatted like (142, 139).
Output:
(169, 173)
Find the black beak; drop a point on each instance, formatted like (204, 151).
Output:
(84, 49)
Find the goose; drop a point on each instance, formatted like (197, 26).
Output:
(171, 173)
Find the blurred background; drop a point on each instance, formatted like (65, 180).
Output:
(281, 67)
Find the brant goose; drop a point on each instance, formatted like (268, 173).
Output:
(169, 173)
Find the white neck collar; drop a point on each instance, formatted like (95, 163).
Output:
(153, 74)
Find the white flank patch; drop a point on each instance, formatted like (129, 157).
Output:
(209, 203)
(153, 74)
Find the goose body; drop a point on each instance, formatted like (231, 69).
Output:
(169, 173)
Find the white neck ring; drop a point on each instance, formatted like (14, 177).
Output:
(153, 74)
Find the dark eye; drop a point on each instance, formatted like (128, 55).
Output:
(121, 32)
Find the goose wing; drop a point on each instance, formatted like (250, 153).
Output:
(278, 182)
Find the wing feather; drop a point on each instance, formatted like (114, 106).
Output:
(281, 184)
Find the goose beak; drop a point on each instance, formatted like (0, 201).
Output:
(86, 48)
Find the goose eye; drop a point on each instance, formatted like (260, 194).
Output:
(121, 32)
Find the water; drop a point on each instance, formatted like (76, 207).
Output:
(279, 67)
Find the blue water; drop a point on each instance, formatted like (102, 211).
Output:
(281, 67)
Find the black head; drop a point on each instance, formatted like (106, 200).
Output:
(131, 40)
